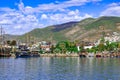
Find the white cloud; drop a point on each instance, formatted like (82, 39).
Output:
(21, 7)
(17, 27)
(114, 4)
(27, 18)
(18, 23)
(76, 12)
(66, 17)
(53, 6)
(44, 16)
(112, 10)
(5, 22)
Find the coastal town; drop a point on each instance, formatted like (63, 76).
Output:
(107, 46)
(59, 40)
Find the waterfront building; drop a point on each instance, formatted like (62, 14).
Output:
(45, 46)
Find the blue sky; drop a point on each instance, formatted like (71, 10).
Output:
(21, 16)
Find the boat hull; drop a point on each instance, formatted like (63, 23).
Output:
(5, 55)
(26, 55)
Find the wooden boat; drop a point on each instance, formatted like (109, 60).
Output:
(4, 55)
(5, 52)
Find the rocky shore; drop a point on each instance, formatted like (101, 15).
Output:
(59, 55)
(77, 55)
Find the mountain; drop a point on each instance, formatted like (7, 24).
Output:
(61, 27)
(9, 37)
(89, 29)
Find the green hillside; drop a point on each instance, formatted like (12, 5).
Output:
(107, 22)
(87, 29)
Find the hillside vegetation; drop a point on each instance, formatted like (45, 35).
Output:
(89, 29)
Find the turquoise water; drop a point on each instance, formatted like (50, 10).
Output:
(60, 68)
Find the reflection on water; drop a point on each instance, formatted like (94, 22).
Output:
(60, 68)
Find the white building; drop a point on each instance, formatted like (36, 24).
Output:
(115, 37)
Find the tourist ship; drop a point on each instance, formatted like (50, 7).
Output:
(4, 51)
(26, 53)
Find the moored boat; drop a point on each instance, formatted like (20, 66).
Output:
(25, 54)
(82, 55)
(5, 52)
(22, 54)
(4, 55)
(98, 55)
(35, 54)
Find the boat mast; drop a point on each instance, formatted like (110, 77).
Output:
(2, 38)
(2, 35)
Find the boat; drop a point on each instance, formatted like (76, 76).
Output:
(82, 55)
(22, 54)
(98, 55)
(90, 55)
(4, 55)
(5, 52)
(35, 54)
(26, 54)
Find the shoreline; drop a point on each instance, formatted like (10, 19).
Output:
(76, 55)
(81, 55)
(59, 55)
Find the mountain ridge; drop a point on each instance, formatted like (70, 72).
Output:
(88, 29)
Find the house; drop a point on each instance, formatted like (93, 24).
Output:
(45, 46)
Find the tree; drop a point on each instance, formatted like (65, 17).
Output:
(56, 50)
(8, 42)
(13, 43)
(62, 46)
(114, 46)
(52, 48)
(118, 46)
(70, 47)
(101, 47)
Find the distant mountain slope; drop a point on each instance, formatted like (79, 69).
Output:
(107, 22)
(10, 37)
(64, 26)
(88, 29)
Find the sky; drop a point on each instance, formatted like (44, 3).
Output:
(20, 16)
